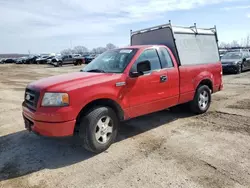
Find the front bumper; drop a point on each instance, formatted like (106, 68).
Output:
(229, 68)
(46, 127)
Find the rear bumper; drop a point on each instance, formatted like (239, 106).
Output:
(46, 127)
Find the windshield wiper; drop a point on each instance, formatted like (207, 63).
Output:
(96, 70)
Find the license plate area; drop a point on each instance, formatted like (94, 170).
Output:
(28, 124)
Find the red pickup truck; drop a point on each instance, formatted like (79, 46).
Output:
(164, 67)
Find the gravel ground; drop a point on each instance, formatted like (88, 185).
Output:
(164, 149)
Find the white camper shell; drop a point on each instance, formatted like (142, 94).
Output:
(190, 45)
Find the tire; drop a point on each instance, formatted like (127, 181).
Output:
(202, 100)
(94, 127)
(60, 63)
(239, 69)
(56, 65)
(79, 62)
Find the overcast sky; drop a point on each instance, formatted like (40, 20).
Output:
(52, 25)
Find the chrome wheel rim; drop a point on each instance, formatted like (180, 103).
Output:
(203, 100)
(104, 129)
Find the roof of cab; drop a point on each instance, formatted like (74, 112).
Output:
(142, 46)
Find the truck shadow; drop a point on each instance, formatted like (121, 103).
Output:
(23, 153)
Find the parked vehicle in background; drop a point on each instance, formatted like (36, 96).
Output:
(44, 59)
(125, 83)
(10, 60)
(238, 50)
(21, 60)
(77, 55)
(236, 62)
(32, 59)
(56, 61)
(2, 60)
(89, 58)
(75, 59)
(222, 52)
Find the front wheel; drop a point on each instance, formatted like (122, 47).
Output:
(202, 100)
(239, 69)
(98, 129)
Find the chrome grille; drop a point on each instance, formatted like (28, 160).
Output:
(31, 98)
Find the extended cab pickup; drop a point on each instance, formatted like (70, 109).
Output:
(164, 67)
(75, 59)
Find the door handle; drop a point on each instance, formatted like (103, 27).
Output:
(163, 78)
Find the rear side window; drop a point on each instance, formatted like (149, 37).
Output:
(165, 57)
(150, 55)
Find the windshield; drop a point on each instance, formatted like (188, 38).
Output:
(112, 61)
(234, 55)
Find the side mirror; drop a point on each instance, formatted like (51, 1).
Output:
(142, 67)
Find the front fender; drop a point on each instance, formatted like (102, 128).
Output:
(95, 93)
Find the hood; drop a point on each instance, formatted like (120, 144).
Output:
(229, 60)
(71, 81)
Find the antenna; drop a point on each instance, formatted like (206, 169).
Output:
(131, 37)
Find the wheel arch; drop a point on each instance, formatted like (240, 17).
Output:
(99, 102)
(206, 81)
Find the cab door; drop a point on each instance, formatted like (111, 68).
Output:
(147, 93)
(170, 67)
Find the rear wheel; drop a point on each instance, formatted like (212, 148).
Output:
(202, 100)
(79, 62)
(98, 129)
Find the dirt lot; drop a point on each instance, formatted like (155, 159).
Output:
(164, 149)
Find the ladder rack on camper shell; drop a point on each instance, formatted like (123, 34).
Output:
(180, 29)
(190, 45)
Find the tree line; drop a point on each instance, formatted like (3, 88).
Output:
(245, 43)
(84, 50)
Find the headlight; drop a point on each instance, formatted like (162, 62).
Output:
(55, 99)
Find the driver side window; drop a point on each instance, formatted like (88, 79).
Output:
(150, 55)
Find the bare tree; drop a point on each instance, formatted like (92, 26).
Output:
(99, 50)
(224, 45)
(80, 50)
(110, 46)
(235, 43)
(247, 42)
(67, 51)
